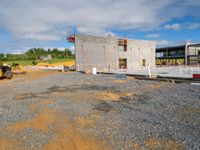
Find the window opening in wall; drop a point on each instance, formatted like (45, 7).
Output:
(122, 43)
(122, 63)
(144, 62)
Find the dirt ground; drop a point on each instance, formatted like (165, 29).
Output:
(49, 110)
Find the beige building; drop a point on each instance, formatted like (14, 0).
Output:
(112, 53)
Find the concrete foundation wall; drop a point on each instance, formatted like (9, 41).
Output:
(104, 53)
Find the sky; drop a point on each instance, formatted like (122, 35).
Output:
(26, 24)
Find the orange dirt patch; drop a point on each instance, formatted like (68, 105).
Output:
(109, 96)
(96, 115)
(93, 95)
(41, 103)
(128, 94)
(65, 63)
(65, 134)
(154, 86)
(84, 121)
(136, 146)
(34, 75)
(19, 97)
(30, 75)
(167, 144)
(123, 81)
(128, 78)
(120, 81)
(6, 144)
(41, 122)
(69, 138)
(57, 93)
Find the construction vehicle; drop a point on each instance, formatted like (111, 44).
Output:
(5, 72)
(18, 69)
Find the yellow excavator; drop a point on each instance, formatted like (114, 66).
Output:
(18, 69)
(5, 72)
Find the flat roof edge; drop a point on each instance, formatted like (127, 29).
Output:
(168, 47)
(114, 37)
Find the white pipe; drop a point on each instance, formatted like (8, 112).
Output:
(149, 71)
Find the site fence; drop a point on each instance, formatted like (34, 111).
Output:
(61, 67)
(173, 71)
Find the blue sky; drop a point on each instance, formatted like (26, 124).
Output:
(26, 24)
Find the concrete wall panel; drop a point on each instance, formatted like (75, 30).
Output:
(103, 53)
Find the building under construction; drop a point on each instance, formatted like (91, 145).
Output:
(112, 53)
(188, 54)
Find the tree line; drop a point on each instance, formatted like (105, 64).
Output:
(36, 53)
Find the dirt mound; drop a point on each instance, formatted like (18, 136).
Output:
(65, 63)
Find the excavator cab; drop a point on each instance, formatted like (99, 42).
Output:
(5, 72)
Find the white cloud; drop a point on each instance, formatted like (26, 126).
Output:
(162, 42)
(192, 26)
(175, 26)
(153, 35)
(40, 37)
(90, 30)
(41, 21)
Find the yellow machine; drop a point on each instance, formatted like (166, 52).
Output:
(18, 69)
(5, 72)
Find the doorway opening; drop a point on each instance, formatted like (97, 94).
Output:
(122, 63)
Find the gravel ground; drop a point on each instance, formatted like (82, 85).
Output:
(85, 112)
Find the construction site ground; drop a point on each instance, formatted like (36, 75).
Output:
(50, 110)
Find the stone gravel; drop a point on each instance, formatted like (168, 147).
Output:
(153, 110)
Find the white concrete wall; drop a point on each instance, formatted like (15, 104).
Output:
(102, 52)
(139, 50)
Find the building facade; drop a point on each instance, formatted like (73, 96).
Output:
(112, 53)
(187, 54)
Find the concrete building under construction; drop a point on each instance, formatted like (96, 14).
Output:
(112, 53)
